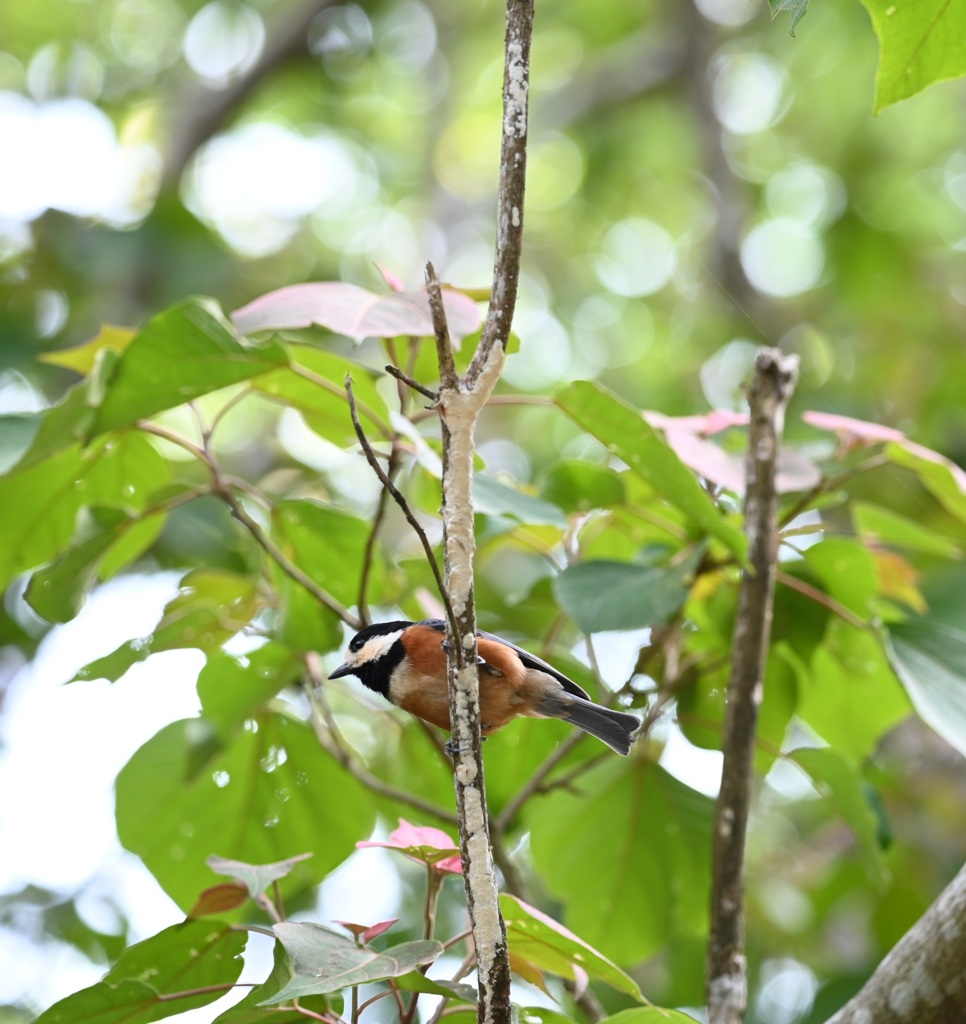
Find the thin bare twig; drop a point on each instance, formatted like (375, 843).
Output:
(400, 375)
(771, 389)
(400, 501)
(820, 597)
(223, 487)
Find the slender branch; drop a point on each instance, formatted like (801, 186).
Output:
(399, 499)
(223, 487)
(287, 566)
(332, 741)
(394, 371)
(921, 979)
(513, 172)
(820, 597)
(326, 385)
(771, 389)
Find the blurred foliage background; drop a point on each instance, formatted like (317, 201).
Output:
(700, 183)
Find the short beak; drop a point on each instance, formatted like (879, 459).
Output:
(342, 670)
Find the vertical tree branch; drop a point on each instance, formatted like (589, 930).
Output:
(460, 402)
(771, 389)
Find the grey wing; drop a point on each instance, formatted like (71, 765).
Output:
(532, 661)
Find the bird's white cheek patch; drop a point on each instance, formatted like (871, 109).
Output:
(377, 647)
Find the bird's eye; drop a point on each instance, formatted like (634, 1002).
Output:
(356, 644)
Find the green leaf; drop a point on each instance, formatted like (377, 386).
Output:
(918, 45)
(846, 570)
(58, 592)
(655, 834)
(851, 697)
(183, 958)
(623, 431)
(185, 352)
(581, 486)
(492, 497)
(83, 357)
(271, 793)
(211, 606)
(326, 543)
(234, 688)
(601, 595)
(943, 478)
(836, 778)
(701, 705)
(128, 1003)
(249, 1012)
(650, 1015)
(877, 525)
(416, 981)
(255, 877)
(930, 659)
(17, 433)
(314, 384)
(329, 546)
(543, 942)
(325, 961)
(796, 8)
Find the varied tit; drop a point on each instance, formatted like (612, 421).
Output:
(406, 663)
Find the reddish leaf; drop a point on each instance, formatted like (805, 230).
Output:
(391, 279)
(219, 898)
(368, 932)
(687, 436)
(710, 423)
(424, 845)
(851, 429)
(353, 311)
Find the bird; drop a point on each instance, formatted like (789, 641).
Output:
(406, 662)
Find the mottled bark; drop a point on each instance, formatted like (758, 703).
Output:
(771, 388)
(923, 979)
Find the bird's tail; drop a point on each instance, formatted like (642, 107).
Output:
(615, 728)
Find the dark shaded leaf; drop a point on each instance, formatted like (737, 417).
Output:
(601, 595)
(581, 486)
(184, 958)
(492, 497)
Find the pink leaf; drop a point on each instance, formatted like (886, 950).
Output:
(706, 459)
(367, 932)
(711, 423)
(355, 312)
(852, 429)
(394, 282)
(424, 845)
(958, 474)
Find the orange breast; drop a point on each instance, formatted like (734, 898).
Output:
(504, 685)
